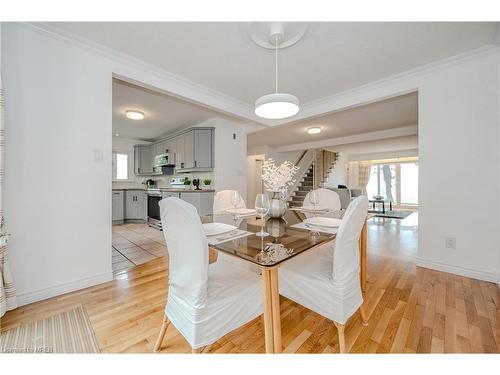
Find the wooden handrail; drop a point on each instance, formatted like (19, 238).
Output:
(301, 157)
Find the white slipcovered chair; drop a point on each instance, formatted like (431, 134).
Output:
(328, 283)
(222, 201)
(204, 302)
(327, 198)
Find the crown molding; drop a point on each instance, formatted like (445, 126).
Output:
(364, 137)
(178, 86)
(385, 88)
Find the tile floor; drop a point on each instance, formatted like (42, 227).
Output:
(135, 244)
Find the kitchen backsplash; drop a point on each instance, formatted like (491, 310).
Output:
(163, 181)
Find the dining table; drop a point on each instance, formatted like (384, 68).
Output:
(287, 238)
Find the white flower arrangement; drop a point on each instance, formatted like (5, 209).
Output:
(278, 178)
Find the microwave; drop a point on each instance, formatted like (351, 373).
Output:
(165, 160)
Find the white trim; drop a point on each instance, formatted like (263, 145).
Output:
(56, 290)
(363, 137)
(457, 270)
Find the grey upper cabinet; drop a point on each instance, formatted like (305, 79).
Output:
(195, 150)
(189, 157)
(179, 152)
(136, 205)
(143, 160)
(203, 148)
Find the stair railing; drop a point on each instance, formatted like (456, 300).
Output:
(304, 162)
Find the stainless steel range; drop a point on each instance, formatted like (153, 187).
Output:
(154, 198)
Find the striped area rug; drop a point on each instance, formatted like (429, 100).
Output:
(66, 332)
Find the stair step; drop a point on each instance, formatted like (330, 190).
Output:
(305, 188)
(300, 193)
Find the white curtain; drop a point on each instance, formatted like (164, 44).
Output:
(8, 300)
(364, 170)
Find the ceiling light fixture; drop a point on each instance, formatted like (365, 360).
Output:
(134, 115)
(277, 105)
(314, 130)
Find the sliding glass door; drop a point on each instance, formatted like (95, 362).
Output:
(395, 182)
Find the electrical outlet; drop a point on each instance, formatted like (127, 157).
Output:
(450, 242)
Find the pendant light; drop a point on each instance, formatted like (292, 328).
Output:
(277, 105)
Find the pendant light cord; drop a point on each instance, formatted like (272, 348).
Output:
(276, 61)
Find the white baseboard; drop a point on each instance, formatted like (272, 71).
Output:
(53, 291)
(457, 270)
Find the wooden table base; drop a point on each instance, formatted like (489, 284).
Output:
(272, 318)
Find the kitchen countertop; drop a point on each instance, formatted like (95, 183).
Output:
(170, 190)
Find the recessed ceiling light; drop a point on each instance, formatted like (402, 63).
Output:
(135, 115)
(314, 130)
(117, 135)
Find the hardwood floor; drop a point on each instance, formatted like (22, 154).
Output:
(410, 309)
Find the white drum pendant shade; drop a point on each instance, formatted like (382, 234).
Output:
(276, 106)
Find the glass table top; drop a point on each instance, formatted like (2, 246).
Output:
(282, 243)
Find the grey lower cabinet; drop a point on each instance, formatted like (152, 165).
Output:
(117, 202)
(136, 205)
(202, 201)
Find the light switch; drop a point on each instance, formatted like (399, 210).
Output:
(98, 155)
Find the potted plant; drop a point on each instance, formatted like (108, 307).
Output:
(187, 182)
(207, 182)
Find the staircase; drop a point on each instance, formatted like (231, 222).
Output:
(303, 188)
(322, 165)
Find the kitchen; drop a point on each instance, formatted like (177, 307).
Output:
(164, 147)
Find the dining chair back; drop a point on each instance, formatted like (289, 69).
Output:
(204, 301)
(346, 253)
(223, 201)
(327, 198)
(187, 251)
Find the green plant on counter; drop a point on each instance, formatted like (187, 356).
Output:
(207, 182)
(187, 181)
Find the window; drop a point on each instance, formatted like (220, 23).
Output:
(120, 166)
(396, 182)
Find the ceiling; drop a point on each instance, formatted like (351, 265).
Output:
(162, 113)
(391, 113)
(331, 58)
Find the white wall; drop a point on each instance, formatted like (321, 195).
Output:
(253, 181)
(58, 164)
(459, 166)
(338, 176)
(57, 190)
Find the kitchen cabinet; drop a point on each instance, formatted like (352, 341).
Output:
(143, 160)
(203, 148)
(189, 157)
(118, 206)
(194, 150)
(179, 152)
(203, 201)
(136, 205)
